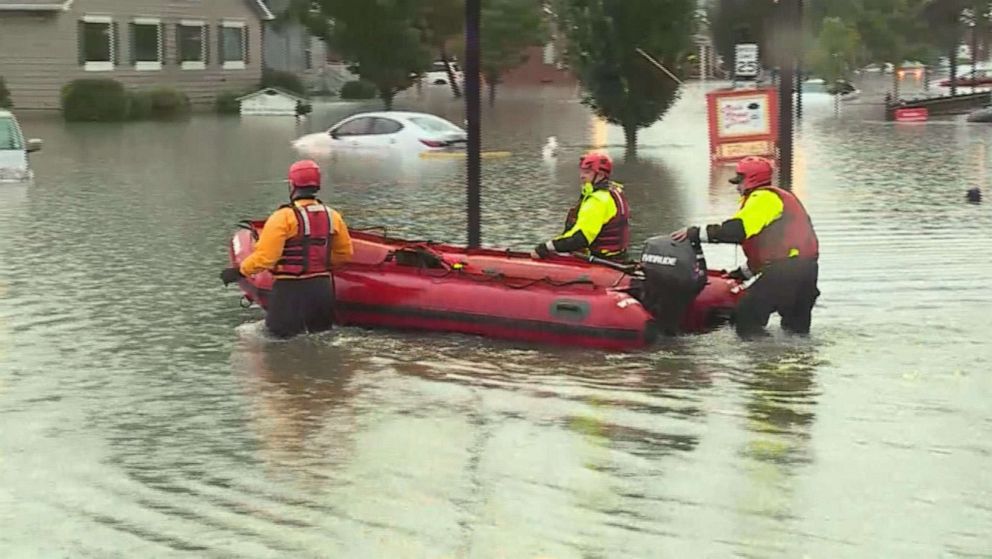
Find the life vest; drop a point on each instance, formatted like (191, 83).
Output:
(790, 236)
(614, 237)
(308, 253)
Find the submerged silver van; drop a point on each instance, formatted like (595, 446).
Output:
(14, 150)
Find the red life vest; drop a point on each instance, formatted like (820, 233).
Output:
(614, 237)
(792, 231)
(308, 253)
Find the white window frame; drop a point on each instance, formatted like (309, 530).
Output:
(200, 64)
(101, 66)
(148, 65)
(236, 64)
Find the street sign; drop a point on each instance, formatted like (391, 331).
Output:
(912, 115)
(746, 64)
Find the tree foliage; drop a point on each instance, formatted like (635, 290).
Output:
(836, 52)
(620, 85)
(507, 28)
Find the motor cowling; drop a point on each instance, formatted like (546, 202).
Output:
(674, 274)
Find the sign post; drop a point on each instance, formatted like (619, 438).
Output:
(746, 65)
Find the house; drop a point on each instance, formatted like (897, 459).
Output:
(544, 64)
(201, 48)
(289, 47)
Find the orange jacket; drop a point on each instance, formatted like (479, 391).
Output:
(282, 226)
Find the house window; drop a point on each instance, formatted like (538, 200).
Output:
(146, 44)
(233, 45)
(97, 43)
(191, 41)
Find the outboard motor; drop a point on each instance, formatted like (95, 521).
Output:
(674, 274)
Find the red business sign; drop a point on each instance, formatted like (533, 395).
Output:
(912, 115)
(742, 122)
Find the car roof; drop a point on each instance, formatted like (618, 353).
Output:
(395, 115)
(6, 113)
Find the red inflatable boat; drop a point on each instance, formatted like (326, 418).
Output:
(422, 285)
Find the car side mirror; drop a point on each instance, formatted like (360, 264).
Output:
(334, 134)
(34, 145)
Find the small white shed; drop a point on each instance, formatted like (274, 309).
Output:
(271, 101)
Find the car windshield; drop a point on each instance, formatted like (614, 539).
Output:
(10, 138)
(431, 124)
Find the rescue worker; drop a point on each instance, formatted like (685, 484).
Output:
(599, 224)
(781, 247)
(299, 243)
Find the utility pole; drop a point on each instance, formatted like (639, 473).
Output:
(788, 22)
(472, 114)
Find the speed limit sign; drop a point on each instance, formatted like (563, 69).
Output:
(746, 61)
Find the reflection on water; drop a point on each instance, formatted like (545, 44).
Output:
(145, 415)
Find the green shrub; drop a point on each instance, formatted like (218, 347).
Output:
(167, 102)
(160, 103)
(283, 80)
(139, 105)
(5, 102)
(227, 103)
(94, 100)
(358, 89)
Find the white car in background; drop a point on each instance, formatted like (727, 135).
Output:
(14, 150)
(438, 75)
(404, 131)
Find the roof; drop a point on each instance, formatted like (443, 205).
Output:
(36, 5)
(264, 90)
(267, 14)
(63, 5)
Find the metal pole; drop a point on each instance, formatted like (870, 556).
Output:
(974, 51)
(472, 115)
(786, 85)
(799, 67)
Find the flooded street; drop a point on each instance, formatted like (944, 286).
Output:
(143, 414)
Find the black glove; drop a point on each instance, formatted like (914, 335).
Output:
(693, 235)
(737, 275)
(230, 275)
(542, 250)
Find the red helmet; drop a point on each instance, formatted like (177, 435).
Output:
(597, 162)
(304, 174)
(753, 172)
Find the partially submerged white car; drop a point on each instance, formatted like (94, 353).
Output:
(14, 150)
(404, 131)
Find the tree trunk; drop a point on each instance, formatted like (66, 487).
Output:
(452, 80)
(953, 59)
(386, 94)
(492, 92)
(630, 134)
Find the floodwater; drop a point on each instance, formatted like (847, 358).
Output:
(144, 414)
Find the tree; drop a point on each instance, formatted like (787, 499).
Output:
(835, 54)
(383, 40)
(443, 20)
(620, 85)
(507, 28)
(5, 102)
(740, 21)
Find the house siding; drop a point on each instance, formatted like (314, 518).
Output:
(39, 51)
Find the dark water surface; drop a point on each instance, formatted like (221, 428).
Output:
(143, 414)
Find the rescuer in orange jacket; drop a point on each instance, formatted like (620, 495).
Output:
(299, 244)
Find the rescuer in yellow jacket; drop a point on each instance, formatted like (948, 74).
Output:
(600, 222)
(781, 247)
